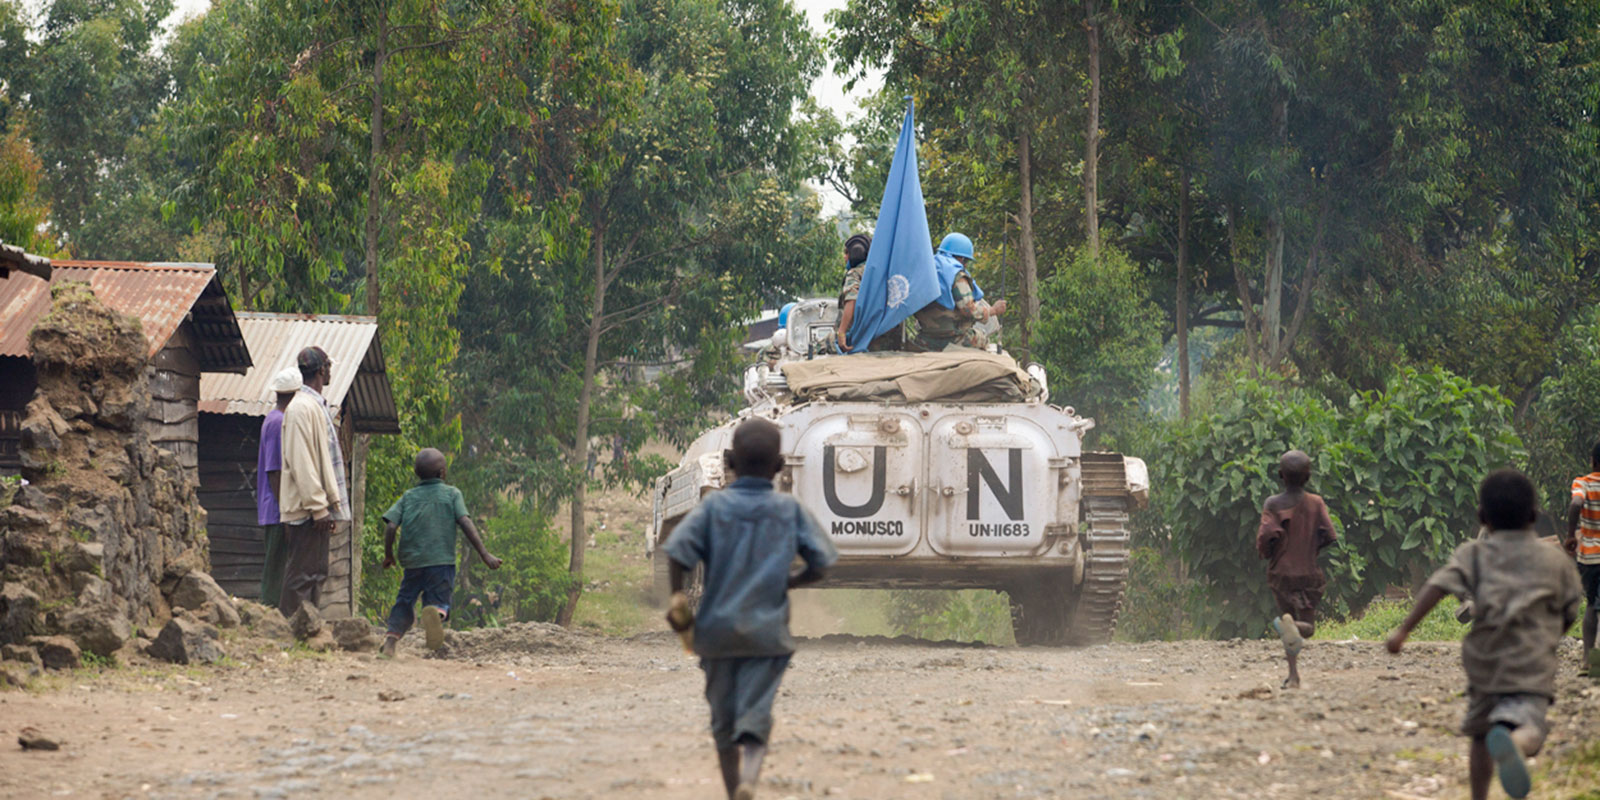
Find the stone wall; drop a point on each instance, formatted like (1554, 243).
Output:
(96, 544)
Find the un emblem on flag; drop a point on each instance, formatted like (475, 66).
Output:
(899, 290)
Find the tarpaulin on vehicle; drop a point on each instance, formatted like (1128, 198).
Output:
(956, 375)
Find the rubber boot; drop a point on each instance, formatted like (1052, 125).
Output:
(728, 761)
(750, 771)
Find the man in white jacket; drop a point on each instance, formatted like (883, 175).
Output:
(312, 496)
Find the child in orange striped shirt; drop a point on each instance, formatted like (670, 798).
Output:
(1583, 542)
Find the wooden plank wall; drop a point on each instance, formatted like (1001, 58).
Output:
(227, 467)
(339, 590)
(173, 420)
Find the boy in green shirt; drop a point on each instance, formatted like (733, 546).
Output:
(427, 516)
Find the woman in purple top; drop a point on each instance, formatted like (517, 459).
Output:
(269, 464)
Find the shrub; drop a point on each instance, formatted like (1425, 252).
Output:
(1398, 468)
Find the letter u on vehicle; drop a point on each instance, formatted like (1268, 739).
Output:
(830, 489)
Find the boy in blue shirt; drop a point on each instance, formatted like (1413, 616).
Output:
(426, 517)
(746, 535)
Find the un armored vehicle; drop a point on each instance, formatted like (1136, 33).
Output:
(935, 471)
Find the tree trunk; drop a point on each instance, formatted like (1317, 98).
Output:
(1272, 338)
(1272, 292)
(1091, 140)
(1247, 306)
(580, 441)
(244, 287)
(1030, 261)
(1182, 288)
(374, 159)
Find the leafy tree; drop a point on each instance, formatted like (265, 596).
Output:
(23, 213)
(1564, 422)
(94, 80)
(667, 208)
(989, 79)
(1099, 335)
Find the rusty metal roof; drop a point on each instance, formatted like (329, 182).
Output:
(161, 296)
(360, 382)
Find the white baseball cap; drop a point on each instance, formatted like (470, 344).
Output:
(286, 381)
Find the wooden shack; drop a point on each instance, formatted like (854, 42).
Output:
(232, 408)
(186, 318)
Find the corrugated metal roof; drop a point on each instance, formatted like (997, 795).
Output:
(360, 379)
(161, 295)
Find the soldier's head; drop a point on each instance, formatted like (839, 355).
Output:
(429, 463)
(1294, 469)
(1507, 500)
(756, 451)
(856, 249)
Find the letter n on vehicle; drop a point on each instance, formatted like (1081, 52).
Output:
(1009, 497)
(830, 490)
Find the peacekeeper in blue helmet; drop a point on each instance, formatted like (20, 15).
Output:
(951, 319)
(772, 351)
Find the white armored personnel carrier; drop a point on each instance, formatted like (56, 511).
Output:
(936, 471)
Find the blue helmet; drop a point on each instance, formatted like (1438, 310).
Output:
(783, 315)
(956, 244)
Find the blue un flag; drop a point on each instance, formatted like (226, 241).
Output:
(899, 277)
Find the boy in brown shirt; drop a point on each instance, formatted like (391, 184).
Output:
(1294, 527)
(1525, 596)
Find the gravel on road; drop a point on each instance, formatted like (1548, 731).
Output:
(535, 711)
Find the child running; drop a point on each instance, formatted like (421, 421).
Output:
(1294, 527)
(1524, 596)
(746, 535)
(1583, 542)
(427, 516)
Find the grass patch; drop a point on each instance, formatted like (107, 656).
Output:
(616, 592)
(1382, 616)
(1574, 776)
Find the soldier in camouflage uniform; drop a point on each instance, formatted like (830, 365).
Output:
(855, 251)
(939, 327)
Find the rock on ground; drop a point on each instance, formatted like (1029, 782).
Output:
(101, 628)
(264, 621)
(355, 634)
(306, 622)
(187, 641)
(57, 652)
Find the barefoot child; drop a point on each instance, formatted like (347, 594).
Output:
(746, 535)
(1524, 596)
(427, 516)
(1583, 542)
(1294, 528)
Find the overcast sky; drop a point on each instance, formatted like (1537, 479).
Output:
(828, 89)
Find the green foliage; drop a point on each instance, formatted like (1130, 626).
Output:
(1098, 334)
(1161, 603)
(1565, 421)
(969, 615)
(532, 582)
(1399, 470)
(23, 212)
(93, 79)
(1382, 616)
(9, 484)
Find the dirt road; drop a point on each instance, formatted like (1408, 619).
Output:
(536, 712)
